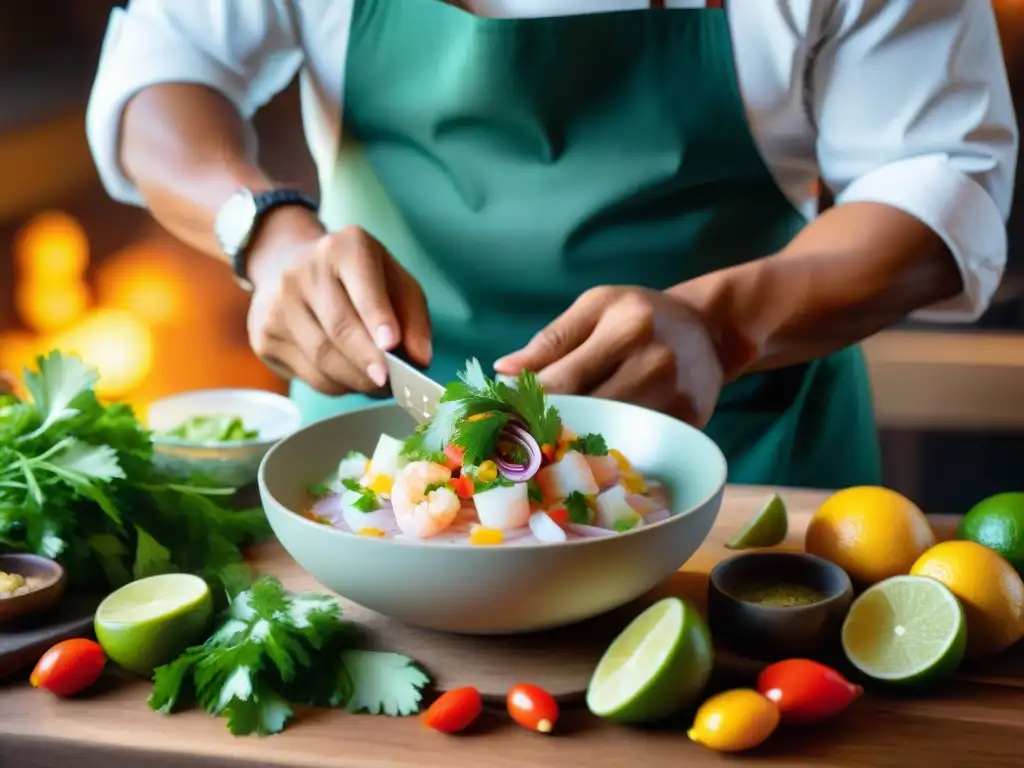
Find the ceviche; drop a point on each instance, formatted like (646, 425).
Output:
(494, 465)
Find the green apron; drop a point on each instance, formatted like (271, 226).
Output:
(511, 164)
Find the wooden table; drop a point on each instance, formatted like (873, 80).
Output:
(965, 724)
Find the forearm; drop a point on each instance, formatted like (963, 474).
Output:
(854, 271)
(183, 146)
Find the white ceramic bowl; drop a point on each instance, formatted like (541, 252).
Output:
(498, 590)
(231, 464)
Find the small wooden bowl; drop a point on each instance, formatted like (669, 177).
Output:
(52, 580)
(767, 632)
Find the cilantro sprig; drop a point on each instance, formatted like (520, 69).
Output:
(591, 444)
(473, 411)
(275, 650)
(578, 507)
(366, 499)
(78, 483)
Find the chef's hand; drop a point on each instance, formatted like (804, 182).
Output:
(626, 343)
(324, 307)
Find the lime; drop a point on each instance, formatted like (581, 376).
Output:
(657, 666)
(998, 523)
(906, 630)
(151, 621)
(766, 529)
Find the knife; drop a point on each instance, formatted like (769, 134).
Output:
(413, 390)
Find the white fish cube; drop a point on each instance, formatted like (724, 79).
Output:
(387, 457)
(567, 476)
(614, 512)
(546, 529)
(504, 508)
(604, 468)
(353, 466)
(358, 521)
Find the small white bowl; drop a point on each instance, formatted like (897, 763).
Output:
(232, 464)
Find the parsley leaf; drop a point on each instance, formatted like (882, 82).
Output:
(591, 444)
(366, 498)
(276, 648)
(578, 507)
(534, 492)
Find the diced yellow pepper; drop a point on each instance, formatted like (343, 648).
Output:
(633, 483)
(560, 451)
(375, 532)
(487, 471)
(485, 537)
(622, 461)
(381, 484)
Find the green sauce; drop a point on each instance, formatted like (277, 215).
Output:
(217, 428)
(780, 595)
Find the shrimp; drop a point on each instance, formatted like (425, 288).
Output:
(421, 513)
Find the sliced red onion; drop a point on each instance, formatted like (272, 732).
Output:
(520, 473)
(591, 531)
(657, 516)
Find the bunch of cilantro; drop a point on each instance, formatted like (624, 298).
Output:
(78, 484)
(275, 650)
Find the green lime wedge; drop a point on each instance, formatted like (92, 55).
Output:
(658, 665)
(766, 529)
(906, 630)
(151, 621)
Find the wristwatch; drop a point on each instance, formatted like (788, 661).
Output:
(240, 217)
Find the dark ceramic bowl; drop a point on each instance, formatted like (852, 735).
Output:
(49, 578)
(772, 632)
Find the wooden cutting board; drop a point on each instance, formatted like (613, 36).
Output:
(563, 660)
(23, 644)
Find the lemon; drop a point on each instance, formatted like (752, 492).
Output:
(906, 630)
(988, 587)
(871, 533)
(151, 621)
(658, 665)
(767, 528)
(998, 523)
(734, 721)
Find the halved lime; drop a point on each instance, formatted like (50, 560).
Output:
(766, 529)
(906, 630)
(151, 621)
(658, 665)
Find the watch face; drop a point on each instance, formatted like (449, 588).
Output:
(235, 222)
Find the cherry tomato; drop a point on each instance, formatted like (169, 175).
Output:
(532, 707)
(453, 456)
(454, 710)
(463, 486)
(805, 691)
(69, 667)
(560, 516)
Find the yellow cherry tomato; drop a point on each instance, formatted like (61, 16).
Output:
(487, 471)
(734, 721)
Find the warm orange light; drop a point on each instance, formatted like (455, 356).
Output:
(52, 246)
(143, 280)
(19, 350)
(48, 306)
(119, 345)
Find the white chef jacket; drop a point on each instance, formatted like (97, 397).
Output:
(901, 102)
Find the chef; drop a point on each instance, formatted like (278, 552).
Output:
(621, 195)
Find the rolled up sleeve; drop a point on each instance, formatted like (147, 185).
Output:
(247, 51)
(913, 110)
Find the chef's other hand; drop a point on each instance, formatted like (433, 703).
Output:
(631, 344)
(323, 310)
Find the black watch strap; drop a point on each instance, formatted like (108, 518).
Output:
(266, 202)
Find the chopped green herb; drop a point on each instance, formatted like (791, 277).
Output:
(624, 525)
(436, 486)
(367, 500)
(473, 411)
(592, 444)
(534, 492)
(276, 649)
(490, 485)
(354, 455)
(213, 428)
(578, 507)
(319, 489)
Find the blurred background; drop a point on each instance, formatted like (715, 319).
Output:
(82, 273)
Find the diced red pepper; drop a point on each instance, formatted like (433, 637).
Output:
(453, 455)
(548, 450)
(463, 486)
(560, 516)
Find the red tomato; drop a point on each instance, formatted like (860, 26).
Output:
(560, 516)
(463, 486)
(453, 456)
(69, 667)
(532, 707)
(805, 691)
(454, 711)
